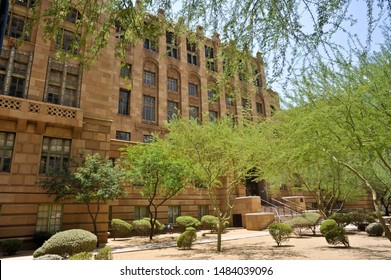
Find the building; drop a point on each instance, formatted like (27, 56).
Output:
(53, 112)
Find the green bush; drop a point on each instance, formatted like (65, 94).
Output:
(186, 239)
(120, 228)
(82, 256)
(104, 253)
(342, 219)
(141, 227)
(336, 236)
(361, 219)
(328, 225)
(159, 227)
(187, 221)
(280, 232)
(306, 220)
(50, 257)
(40, 237)
(68, 242)
(10, 246)
(374, 229)
(209, 222)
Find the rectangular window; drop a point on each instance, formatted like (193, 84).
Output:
(49, 218)
(172, 45)
(15, 26)
(122, 135)
(147, 138)
(173, 213)
(55, 155)
(213, 115)
(172, 110)
(210, 58)
(148, 108)
(212, 96)
(73, 16)
(140, 212)
(67, 41)
(193, 90)
(172, 84)
(6, 148)
(149, 78)
(229, 101)
(150, 44)
(257, 82)
(246, 104)
(17, 87)
(26, 3)
(259, 108)
(202, 211)
(124, 102)
(125, 71)
(191, 52)
(193, 112)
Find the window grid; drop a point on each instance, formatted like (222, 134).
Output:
(149, 78)
(172, 45)
(193, 90)
(172, 84)
(150, 45)
(67, 41)
(49, 218)
(15, 26)
(213, 115)
(122, 135)
(210, 59)
(125, 71)
(173, 213)
(193, 112)
(172, 110)
(191, 52)
(140, 212)
(202, 211)
(149, 108)
(124, 102)
(259, 108)
(55, 155)
(6, 149)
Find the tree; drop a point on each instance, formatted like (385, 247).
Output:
(159, 170)
(96, 182)
(213, 153)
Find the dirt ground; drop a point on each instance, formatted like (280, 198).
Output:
(306, 247)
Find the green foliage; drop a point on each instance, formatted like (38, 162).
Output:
(328, 225)
(305, 220)
(209, 222)
(50, 257)
(68, 242)
(120, 228)
(342, 219)
(280, 232)
(336, 236)
(81, 256)
(159, 227)
(187, 221)
(104, 253)
(361, 219)
(11, 246)
(186, 239)
(141, 227)
(374, 229)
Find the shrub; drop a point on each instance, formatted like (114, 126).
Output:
(186, 239)
(120, 228)
(280, 232)
(40, 237)
(328, 225)
(104, 254)
(11, 246)
(68, 242)
(336, 236)
(306, 220)
(50, 257)
(361, 219)
(82, 256)
(209, 222)
(187, 221)
(374, 229)
(159, 227)
(342, 219)
(141, 227)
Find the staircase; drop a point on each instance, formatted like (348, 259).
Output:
(282, 211)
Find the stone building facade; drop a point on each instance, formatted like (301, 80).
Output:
(52, 113)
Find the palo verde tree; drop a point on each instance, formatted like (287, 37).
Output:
(213, 153)
(94, 183)
(160, 171)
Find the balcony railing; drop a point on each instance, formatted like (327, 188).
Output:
(20, 108)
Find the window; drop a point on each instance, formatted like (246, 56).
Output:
(172, 110)
(172, 84)
(6, 149)
(246, 104)
(172, 45)
(125, 71)
(191, 52)
(149, 78)
(259, 108)
(26, 3)
(150, 44)
(124, 102)
(73, 16)
(148, 108)
(122, 135)
(202, 211)
(55, 155)
(17, 87)
(210, 59)
(193, 90)
(15, 26)
(213, 115)
(49, 218)
(63, 88)
(140, 212)
(173, 213)
(229, 101)
(67, 41)
(147, 138)
(212, 96)
(257, 82)
(193, 112)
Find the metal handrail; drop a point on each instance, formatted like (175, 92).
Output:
(274, 207)
(286, 206)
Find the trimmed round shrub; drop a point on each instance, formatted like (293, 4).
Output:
(186, 239)
(104, 253)
(50, 257)
(68, 242)
(187, 221)
(82, 256)
(306, 220)
(209, 222)
(336, 236)
(280, 232)
(120, 228)
(342, 219)
(159, 227)
(328, 225)
(374, 229)
(10, 246)
(141, 227)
